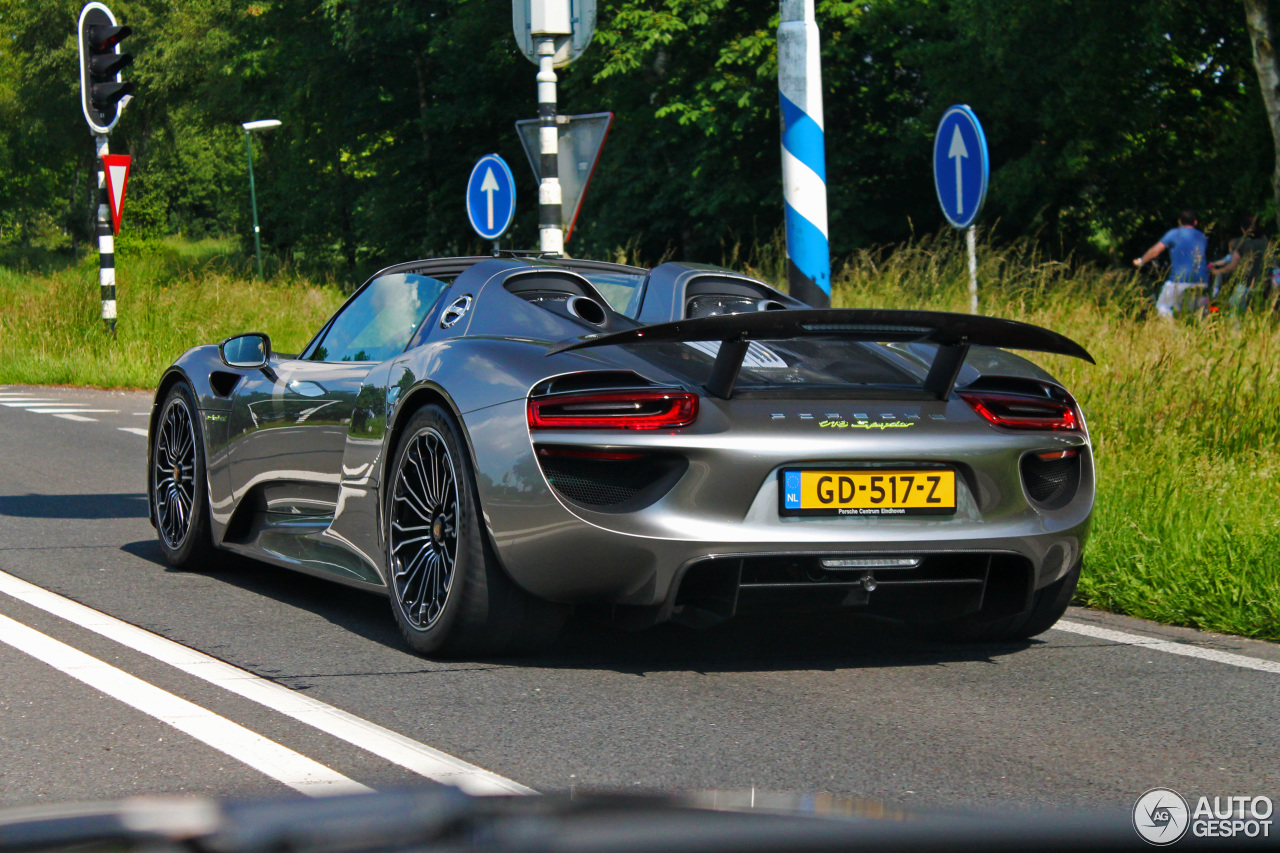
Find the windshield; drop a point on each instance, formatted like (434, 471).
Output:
(378, 323)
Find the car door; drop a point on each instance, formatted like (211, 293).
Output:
(288, 425)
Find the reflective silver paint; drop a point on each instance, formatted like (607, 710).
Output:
(297, 451)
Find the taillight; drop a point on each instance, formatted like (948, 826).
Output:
(615, 410)
(1017, 412)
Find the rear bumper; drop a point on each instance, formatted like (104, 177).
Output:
(724, 510)
(576, 562)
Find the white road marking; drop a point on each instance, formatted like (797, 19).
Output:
(68, 411)
(26, 403)
(135, 430)
(371, 737)
(76, 418)
(266, 756)
(1184, 649)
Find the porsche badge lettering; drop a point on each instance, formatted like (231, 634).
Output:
(858, 420)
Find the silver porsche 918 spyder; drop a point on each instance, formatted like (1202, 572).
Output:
(492, 441)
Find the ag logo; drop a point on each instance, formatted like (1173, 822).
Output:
(1161, 816)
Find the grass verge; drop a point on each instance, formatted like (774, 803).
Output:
(170, 297)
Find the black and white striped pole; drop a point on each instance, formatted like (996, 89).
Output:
(551, 34)
(550, 235)
(550, 25)
(106, 240)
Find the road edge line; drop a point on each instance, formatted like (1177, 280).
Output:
(1156, 644)
(274, 760)
(394, 747)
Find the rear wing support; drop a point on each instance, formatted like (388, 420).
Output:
(727, 366)
(952, 333)
(945, 369)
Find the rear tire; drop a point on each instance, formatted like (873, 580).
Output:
(449, 595)
(177, 487)
(1047, 606)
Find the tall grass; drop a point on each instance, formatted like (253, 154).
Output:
(170, 297)
(1184, 416)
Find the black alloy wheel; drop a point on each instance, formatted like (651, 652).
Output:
(423, 537)
(179, 498)
(449, 594)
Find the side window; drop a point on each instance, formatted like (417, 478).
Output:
(378, 323)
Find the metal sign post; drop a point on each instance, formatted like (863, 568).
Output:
(106, 239)
(557, 37)
(961, 168)
(550, 236)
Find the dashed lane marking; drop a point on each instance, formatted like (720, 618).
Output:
(28, 403)
(135, 430)
(371, 737)
(262, 754)
(1184, 649)
(69, 411)
(76, 418)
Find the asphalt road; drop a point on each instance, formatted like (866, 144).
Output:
(1091, 716)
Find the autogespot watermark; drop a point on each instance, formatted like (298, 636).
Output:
(1162, 816)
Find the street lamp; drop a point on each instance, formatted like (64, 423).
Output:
(261, 124)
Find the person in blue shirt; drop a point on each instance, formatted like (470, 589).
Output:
(1188, 255)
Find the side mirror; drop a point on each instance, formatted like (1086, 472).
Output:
(246, 351)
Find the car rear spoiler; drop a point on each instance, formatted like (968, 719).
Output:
(953, 333)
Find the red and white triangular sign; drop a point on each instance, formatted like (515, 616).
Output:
(117, 169)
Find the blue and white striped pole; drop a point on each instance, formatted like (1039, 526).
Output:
(804, 166)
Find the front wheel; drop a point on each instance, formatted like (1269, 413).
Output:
(449, 595)
(177, 487)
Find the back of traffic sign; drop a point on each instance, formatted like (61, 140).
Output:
(960, 165)
(582, 14)
(491, 197)
(579, 142)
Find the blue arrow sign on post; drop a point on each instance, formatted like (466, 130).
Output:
(491, 197)
(960, 166)
(960, 171)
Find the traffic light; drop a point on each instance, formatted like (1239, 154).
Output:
(101, 61)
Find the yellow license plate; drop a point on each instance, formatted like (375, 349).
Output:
(861, 492)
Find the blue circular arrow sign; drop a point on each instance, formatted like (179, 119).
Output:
(491, 197)
(960, 165)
